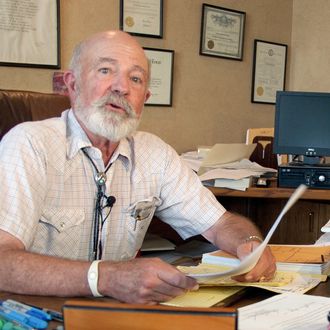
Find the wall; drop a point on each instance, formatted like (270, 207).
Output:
(310, 46)
(211, 96)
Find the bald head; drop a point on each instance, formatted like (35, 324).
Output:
(95, 43)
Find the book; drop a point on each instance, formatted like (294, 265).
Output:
(309, 259)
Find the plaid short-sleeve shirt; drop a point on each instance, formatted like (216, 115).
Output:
(47, 195)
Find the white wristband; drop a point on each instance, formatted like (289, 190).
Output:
(93, 277)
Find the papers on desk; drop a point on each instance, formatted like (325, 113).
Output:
(207, 297)
(309, 259)
(225, 153)
(200, 274)
(286, 312)
(226, 166)
(219, 155)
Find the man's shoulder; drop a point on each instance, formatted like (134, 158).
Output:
(151, 139)
(45, 132)
(150, 143)
(151, 149)
(49, 127)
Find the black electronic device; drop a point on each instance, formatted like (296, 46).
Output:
(301, 127)
(291, 176)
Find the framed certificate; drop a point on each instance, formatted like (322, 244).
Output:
(269, 68)
(30, 33)
(142, 17)
(161, 79)
(222, 32)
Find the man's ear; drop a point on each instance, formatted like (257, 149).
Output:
(71, 83)
(148, 94)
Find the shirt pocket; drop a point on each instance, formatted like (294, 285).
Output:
(139, 216)
(62, 219)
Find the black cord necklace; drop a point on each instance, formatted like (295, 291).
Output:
(100, 179)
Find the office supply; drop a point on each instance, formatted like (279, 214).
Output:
(19, 307)
(308, 259)
(24, 319)
(55, 315)
(7, 324)
(83, 315)
(281, 283)
(14, 319)
(207, 297)
(286, 312)
(223, 153)
(238, 184)
(250, 261)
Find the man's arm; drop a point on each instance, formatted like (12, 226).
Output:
(140, 280)
(230, 233)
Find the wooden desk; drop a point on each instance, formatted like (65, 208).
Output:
(302, 223)
(271, 192)
(252, 295)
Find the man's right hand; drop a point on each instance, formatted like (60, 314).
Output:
(143, 281)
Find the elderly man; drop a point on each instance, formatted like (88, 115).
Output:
(78, 192)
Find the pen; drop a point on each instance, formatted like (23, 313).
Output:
(24, 319)
(13, 324)
(57, 316)
(20, 307)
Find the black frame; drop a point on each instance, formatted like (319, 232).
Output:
(58, 49)
(223, 22)
(141, 34)
(254, 69)
(169, 93)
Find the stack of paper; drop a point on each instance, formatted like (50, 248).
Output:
(226, 166)
(294, 258)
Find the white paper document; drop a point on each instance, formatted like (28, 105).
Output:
(287, 311)
(221, 173)
(250, 261)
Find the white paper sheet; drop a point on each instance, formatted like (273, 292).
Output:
(250, 261)
(286, 312)
(222, 153)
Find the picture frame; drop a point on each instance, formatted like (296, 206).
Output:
(222, 32)
(269, 70)
(161, 78)
(142, 17)
(30, 34)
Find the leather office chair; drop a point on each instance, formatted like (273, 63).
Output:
(17, 106)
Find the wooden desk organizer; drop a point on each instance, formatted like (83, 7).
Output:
(84, 314)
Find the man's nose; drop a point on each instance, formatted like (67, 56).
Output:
(120, 84)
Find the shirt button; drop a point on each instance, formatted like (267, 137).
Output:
(62, 225)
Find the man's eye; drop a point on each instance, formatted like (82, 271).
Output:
(104, 70)
(137, 80)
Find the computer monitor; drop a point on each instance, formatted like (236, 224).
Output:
(302, 125)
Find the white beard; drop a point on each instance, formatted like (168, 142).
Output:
(111, 125)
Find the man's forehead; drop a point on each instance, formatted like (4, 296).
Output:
(113, 50)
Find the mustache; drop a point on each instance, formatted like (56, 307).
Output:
(118, 101)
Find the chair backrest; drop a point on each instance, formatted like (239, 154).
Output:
(263, 153)
(17, 106)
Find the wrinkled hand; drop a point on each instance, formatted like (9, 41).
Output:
(143, 281)
(265, 268)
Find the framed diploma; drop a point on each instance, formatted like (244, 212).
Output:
(142, 17)
(161, 79)
(222, 32)
(30, 33)
(269, 67)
